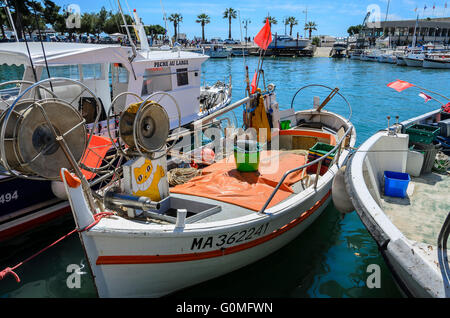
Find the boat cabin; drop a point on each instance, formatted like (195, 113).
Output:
(107, 71)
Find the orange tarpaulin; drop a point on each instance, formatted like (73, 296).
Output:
(221, 181)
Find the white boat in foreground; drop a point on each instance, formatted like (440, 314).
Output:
(143, 239)
(411, 231)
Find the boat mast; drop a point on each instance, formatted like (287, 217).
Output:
(128, 31)
(133, 47)
(8, 12)
(165, 21)
(141, 31)
(414, 37)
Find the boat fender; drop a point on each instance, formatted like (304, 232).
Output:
(59, 190)
(341, 198)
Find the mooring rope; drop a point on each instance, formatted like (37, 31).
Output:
(10, 270)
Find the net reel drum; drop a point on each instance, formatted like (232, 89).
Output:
(144, 128)
(39, 136)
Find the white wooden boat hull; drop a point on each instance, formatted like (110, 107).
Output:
(159, 264)
(414, 265)
(136, 258)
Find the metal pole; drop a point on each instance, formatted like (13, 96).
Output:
(11, 21)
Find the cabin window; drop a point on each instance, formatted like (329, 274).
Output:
(92, 71)
(67, 71)
(122, 75)
(182, 77)
(157, 79)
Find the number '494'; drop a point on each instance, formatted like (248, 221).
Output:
(8, 197)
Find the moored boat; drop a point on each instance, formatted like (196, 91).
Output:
(401, 60)
(439, 61)
(108, 73)
(151, 240)
(398, 184)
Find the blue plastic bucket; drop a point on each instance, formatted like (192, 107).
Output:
(396, 183)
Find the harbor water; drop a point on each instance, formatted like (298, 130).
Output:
(332, 258)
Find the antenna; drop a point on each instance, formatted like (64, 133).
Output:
(165, 21)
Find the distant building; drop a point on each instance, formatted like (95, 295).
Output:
(402, 32)
(327, 40)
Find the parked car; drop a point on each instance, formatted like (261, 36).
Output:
(231, 41)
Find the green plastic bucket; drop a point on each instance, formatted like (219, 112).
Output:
(285, 125)
(246, 155)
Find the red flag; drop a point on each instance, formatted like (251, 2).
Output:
(400, 85)
(264, 37)
(253, 85)
(425, 96)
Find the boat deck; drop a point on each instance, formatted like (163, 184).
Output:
(421, 214)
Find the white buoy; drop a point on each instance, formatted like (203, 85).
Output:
(59, 190)
(341, 199)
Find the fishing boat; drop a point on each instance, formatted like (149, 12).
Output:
(107, 72)
(414, 58)
(398, 182)
(151, 239)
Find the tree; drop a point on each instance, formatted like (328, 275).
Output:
(176, 18)
(316, 41)
(35, 20)
(88, 21)
(100, 20)
(3, 22)
(203, 19)
(272, 20)
(51, 13)
(291, 21)
(21, 16)
(354, 29)
(154, 29)
(114, 22)
(229, 14)
(310, 26)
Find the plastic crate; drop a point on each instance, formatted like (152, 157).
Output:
(320, 149)
(396, 183)
(445, 127)
(422, 133)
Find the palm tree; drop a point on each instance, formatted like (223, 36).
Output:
(272, 20)
(291, 21)
(310, 26)
(176, 18)
(229, 14)
(203, 19)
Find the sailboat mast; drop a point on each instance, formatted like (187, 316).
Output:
(415, 28)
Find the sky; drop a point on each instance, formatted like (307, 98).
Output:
(333, 17)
